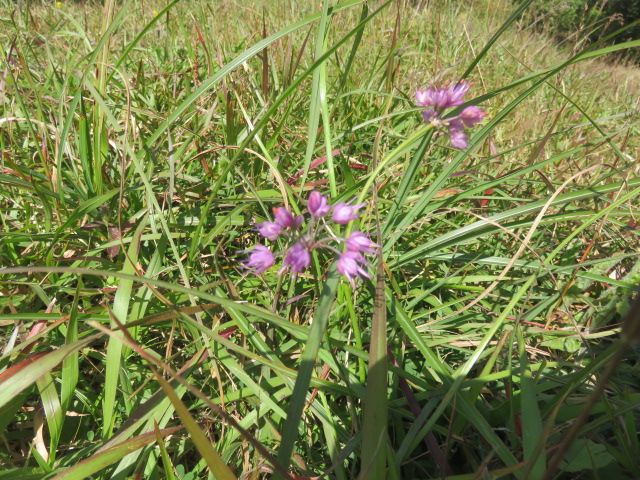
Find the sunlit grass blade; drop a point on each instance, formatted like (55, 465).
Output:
(318, 102)
(53, 412)
(114, 346)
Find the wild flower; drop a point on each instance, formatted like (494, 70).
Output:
(297, 258)
(316, 235)
(269, 230)
(260, 259)
(344, 213)
(318, 205)
(286, 219)
(360, 243)
(352, 265)
(437, 100)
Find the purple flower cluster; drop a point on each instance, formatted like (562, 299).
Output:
(351, 263)
(437, 100)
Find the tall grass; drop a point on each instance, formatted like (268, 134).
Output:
(141, 141)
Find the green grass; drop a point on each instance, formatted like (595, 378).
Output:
(141, 140)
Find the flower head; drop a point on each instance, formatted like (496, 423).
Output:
(471, 115)
(352, 265)
(301, 240)
(297, 258)
(343, 213)
(440, 99)
(259, 259)
(455, 94)
(360, 243)
(286, 219)
(437, 100)
(318, 204)
(269, 230)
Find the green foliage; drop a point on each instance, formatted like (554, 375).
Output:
(590, 19)
(141, 140)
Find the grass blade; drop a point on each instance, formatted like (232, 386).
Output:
(99, 461)
(217, 467)
(114, 346)
(374, 425)
(307, 364)
(167, 465)
(53, 412)
(532, 428)
(70, 365)
(23, 374)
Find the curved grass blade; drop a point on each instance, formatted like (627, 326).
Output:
(52, 411)
(22, 375)
(86, 468)
(443, 240)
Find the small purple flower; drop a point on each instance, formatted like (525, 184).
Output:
(424, 97)
(318, 204)
(260, 259)
(343, 213)
(457, 137)
(456, 94)
(436, 100)
(352, 265)
(297, 258)
(285, 218)
(471, 115)
(440, 99)
(269, 230)
(358, 242)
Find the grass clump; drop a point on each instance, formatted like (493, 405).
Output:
(142, 141)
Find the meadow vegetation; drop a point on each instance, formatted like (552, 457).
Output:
(141, 142)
